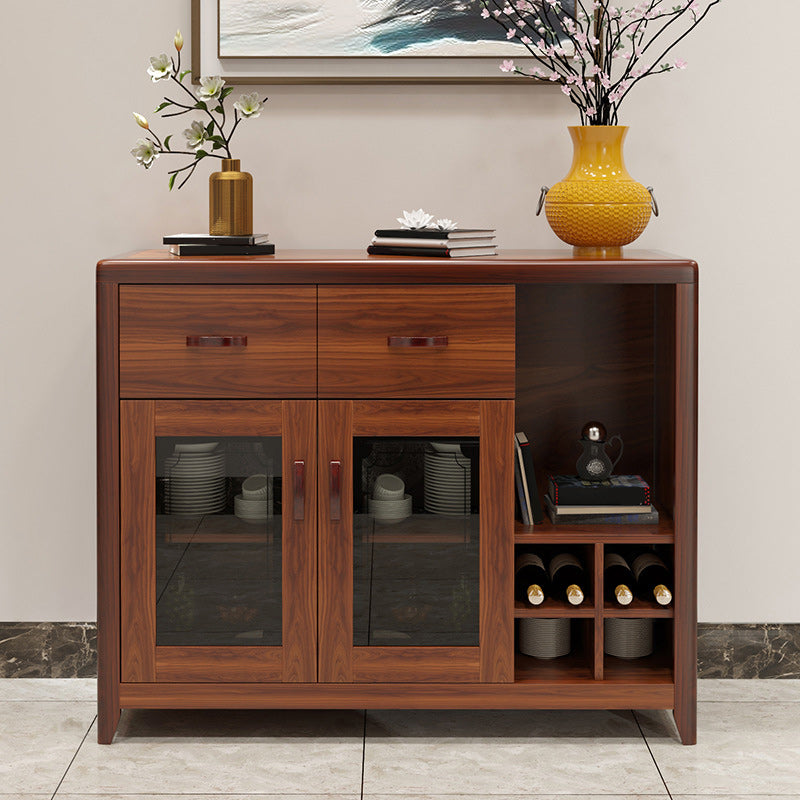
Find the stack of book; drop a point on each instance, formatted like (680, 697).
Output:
(433, 242)
(206, 244)
(619, 500)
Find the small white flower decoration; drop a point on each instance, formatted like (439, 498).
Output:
(210, 88)
(160, 67)
(249, 105)
(446, 224)
(196, 135)
(414, 220)
(145, 152)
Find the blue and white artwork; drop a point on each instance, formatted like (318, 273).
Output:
(331, 28)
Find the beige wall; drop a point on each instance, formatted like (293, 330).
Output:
(332, 163)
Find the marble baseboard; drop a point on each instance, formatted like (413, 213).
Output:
(48, 649)
(69, 650)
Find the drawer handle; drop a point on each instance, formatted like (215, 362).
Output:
(417, 341)
(216, 341)
(299, 474)
(336, 490)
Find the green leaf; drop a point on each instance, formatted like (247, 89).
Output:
(219, 109)
(166, 142)
(200, 154)
(163, 105)
(183, 75)
(210, 128)
(225, 92)
(218, 140)
(201, 105)
(172, 180)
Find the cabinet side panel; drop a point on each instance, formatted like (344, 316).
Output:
(137, 540)
(107, 513)
(686, 512)
(497, 541)
(335, 544)
(300, 544)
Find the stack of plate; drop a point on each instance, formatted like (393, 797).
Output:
(448, 480)
(628, 638)
(194, 479)
(389, 502)
(544, 638)
(254, 504)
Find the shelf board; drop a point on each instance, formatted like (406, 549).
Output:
(569, 668)
(662, 532)
(216, 529)
(638, 609)
(655, 668)
(553, 609)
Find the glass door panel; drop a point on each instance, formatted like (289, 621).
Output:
(218, 541)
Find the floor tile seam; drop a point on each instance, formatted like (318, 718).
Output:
(74, 756)
(652, 755)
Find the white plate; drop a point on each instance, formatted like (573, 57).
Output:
(446, 447)
(196, 447)
(196, 458)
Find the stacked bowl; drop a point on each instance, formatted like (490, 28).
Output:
(448, 480)
(389, 502)
(254, 504)
(194, 479)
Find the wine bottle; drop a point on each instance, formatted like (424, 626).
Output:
(618, 579)
(652, 578)
(531, 582)
(566, 577)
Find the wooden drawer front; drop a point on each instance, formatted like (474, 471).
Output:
(447, 341)
(278, 359)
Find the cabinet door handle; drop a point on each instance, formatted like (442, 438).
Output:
(216, 341)
(336, 490)
(299, 490)
(417, 341)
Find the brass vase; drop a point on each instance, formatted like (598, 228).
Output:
(598, 207)
(230, 200)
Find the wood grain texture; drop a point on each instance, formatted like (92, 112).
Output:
(335, 582)
(356, 267)
(108, 608)
(598, 634)
(416, 664)
(496, 541)
(138, 539)
(415, 418)
(218, 664)
(662, 532)
(355, 359)
(218, 418)
(299, 651)
(685, 645)
(546, 693)
(279, 360)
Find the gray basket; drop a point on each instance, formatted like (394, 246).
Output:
(544, 638)
(628, 638)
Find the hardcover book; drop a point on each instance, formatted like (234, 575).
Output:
(208, 238)
(535, 505)
(222, 249)
(557, 518)
(431, 252)
(399, 241)
(618, 490)
(435, 233)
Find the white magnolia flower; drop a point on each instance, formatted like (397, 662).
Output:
(160, 67)
(210, 88)
(249, 105)
(446, 224)
(414, 220)
(145, 152)
(196, 135)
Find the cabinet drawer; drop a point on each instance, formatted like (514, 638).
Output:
(217, 341)
(416, 341)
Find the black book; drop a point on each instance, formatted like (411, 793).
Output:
(431, 252)
(210, 238)
(222, 249)
(618, 490)
(648, 518)
(434, 233)
(537, 512)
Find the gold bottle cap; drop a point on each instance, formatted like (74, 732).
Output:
(574, 594)
(623, 594)
(662, 594)
(535, 594)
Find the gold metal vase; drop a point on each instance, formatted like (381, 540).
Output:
(230, 200)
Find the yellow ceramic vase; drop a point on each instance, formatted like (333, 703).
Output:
(230, 200)
(598, 207)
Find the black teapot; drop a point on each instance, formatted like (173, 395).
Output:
(593, 463)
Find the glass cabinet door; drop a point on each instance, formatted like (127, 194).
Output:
(215, 513)
(415, 533)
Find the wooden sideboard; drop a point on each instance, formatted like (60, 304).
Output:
(314, 363)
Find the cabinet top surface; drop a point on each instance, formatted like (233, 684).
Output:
(355, 266)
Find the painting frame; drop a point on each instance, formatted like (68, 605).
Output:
(206, 60)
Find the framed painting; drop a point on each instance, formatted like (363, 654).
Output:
(348, 41)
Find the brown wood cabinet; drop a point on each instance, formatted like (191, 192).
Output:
(246, 406)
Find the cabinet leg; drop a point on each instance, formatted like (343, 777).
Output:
(107, 721)
(686, 721)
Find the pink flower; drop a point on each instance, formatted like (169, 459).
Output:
(680, 64)
(511, 33)
(485, 13)
(565, 89)
(507, 66)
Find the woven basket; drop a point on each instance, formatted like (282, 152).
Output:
(628, 638)
(544, 638)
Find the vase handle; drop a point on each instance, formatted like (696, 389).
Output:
(653, 201)
(545, 190)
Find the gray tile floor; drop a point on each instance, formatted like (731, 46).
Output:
(749, 746)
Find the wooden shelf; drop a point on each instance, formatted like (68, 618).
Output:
(662, 532)
(638, 609)
(572, 667)
(553, 609)
(655, 668)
